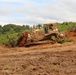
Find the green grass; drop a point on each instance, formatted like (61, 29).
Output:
(68, 40)
(65, 26)
(6, 67)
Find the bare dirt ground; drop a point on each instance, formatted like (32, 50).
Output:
(56, 59)
(46, 59)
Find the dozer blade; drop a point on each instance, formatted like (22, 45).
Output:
(39, 42)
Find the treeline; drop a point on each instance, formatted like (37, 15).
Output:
(11, 31)
(12, 28)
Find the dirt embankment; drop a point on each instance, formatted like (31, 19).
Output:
(71, 34)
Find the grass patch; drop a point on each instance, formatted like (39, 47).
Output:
(6, 67)
(54, 66)
(68, 40)
(65, 26)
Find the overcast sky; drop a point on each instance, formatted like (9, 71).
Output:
(36, 11)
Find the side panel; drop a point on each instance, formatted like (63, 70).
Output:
(38, 34)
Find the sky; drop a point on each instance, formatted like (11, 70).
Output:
(33, 12)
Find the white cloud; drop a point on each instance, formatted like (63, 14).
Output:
(11, 0)
(34, 13)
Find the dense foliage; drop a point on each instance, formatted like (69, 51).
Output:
(11, 31)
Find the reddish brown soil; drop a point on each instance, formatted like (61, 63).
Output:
(39, 60)
(71, 34)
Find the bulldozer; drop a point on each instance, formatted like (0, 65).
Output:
(48, 33)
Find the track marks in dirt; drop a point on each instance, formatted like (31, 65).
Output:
(44, 63)
(59, 60)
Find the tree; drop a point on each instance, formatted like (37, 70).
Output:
(0, 29)
(27, 27)
(38, 26)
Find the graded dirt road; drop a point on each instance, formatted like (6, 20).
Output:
(39, 60)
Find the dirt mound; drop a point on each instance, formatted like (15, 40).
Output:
(22, 39)
(2, 46)
(71, 34)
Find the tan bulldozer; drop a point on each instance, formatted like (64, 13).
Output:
(46, 34)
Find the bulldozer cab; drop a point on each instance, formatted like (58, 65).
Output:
(49, 27)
